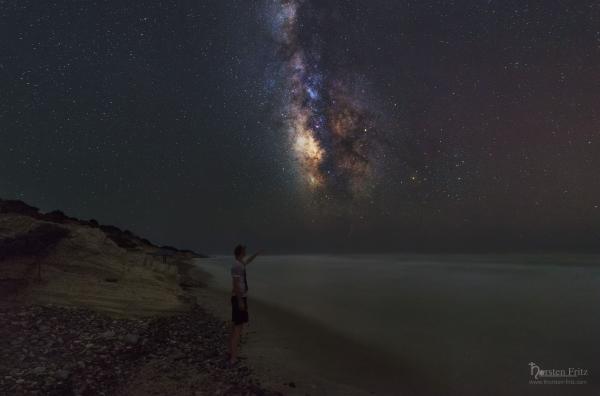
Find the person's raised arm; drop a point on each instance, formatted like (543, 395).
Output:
(249, 260)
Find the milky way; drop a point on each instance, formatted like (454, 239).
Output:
(308, 125)
(332, 134)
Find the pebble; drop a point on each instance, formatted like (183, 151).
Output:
(108, 334)
(76, 351)
(132, 339)
(63, 374)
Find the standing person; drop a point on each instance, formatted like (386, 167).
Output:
(239, 302)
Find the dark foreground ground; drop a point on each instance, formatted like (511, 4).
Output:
(49, 350)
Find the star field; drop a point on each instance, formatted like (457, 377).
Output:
(308, 126)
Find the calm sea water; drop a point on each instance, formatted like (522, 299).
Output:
(467, 323)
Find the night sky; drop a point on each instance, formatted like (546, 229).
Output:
(308, 126)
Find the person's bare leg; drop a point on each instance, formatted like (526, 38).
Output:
(234, 342)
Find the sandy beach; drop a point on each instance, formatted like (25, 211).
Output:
(275, 346)
(458, 325)
(414, 185)
(283, 347)
(102, 314)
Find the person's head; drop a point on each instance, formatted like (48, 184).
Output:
(239, 251)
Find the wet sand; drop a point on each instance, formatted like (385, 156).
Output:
(457, 328)
(283, 348)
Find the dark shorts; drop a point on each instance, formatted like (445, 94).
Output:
(237, 315)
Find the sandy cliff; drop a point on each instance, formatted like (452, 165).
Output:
(52, 258)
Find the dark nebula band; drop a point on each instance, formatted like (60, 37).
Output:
(331, 131)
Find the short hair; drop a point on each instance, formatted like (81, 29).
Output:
(238, 250)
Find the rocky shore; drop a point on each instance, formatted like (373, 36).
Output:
(90, 309)
(51, 350)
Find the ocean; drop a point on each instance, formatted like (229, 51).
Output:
(439, 324)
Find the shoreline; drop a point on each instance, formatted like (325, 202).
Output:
(283, 347)
(412, 329)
